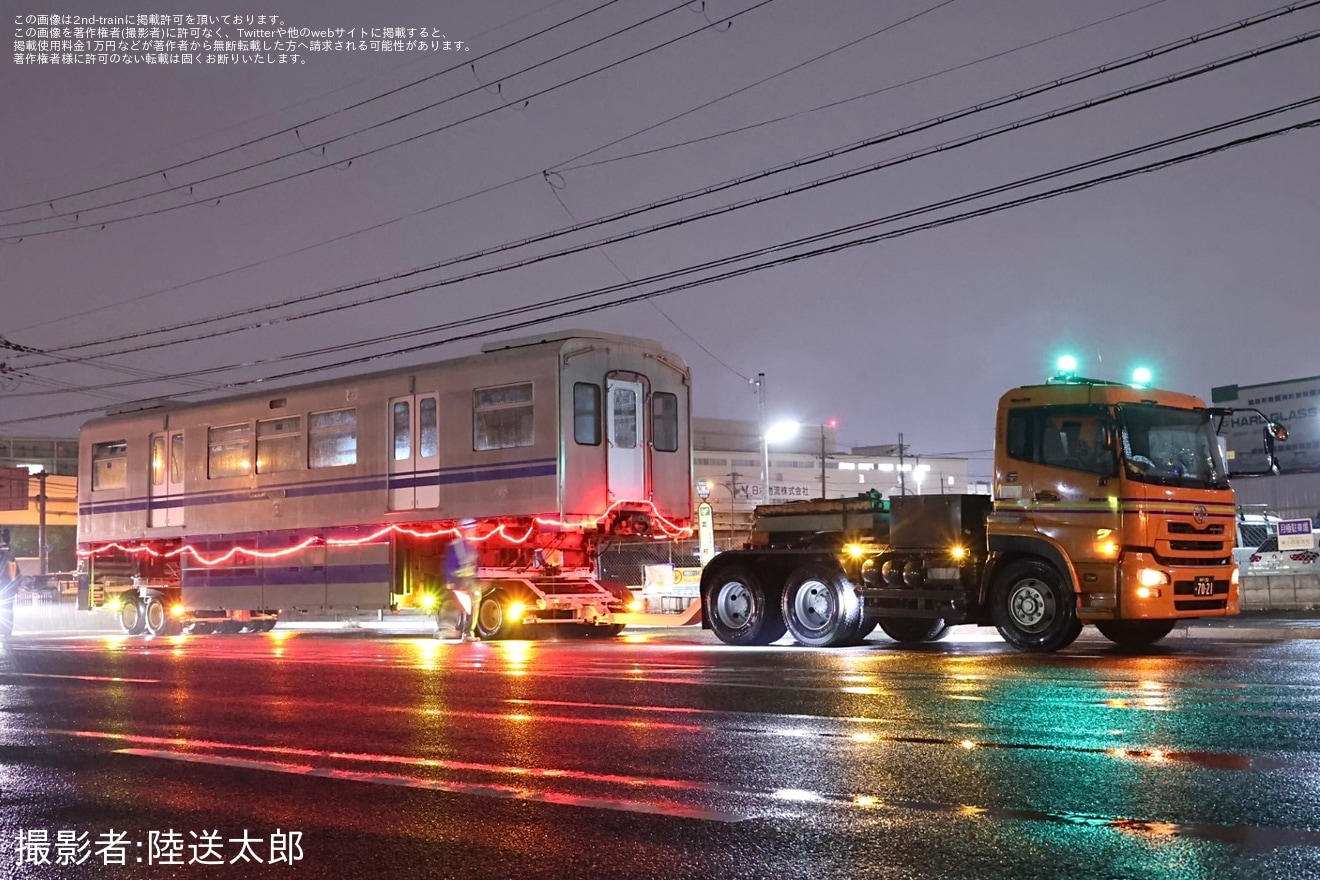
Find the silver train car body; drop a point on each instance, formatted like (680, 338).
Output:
(341, 496)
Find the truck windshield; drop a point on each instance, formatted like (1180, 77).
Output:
(1171, 447)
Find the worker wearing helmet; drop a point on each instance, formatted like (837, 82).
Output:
(461, 575)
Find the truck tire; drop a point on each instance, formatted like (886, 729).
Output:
(913, 630)
(739, 609)
(492, 617)
(820, 607)
(1033, 609)
(131, 619)
(157, 618)
(1134, 633)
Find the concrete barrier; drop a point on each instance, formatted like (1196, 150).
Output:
(1281, 592)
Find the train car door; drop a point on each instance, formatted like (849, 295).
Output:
(414, 452)
(627, 448)
(166, 484)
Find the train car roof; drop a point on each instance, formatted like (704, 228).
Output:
(157, 406)
(561, 335)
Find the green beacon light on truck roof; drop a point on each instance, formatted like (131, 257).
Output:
(1067, 369)
(1141, 377)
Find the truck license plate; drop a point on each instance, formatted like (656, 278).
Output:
(1205, 586)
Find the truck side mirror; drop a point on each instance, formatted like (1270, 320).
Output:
(1279, 432)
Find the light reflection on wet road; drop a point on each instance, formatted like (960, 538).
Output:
(670, 756)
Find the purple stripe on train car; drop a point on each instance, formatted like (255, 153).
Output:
(468, 474)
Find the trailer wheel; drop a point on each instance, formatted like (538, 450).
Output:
(131, 619)
(201, 628)
(492, 617)
(157, 618)
(1032, 608)
(739, 609)
(913, 630)
(821, 608)
(1134, 633)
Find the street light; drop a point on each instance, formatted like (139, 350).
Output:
(776, 433)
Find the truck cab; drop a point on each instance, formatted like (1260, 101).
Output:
(1123, 492)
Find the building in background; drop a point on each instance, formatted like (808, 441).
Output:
(58, 457)
(728, 454)
(1294, 403)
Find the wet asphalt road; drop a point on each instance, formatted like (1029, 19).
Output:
(659, 755)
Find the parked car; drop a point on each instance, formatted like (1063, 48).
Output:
(1269, 559)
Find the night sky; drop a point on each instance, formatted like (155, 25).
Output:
(1204, 271)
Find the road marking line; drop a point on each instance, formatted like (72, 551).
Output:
(489, 790)
(80, 677)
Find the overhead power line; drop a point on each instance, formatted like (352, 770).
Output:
(1015, 125)
(562, 166)
(41, 203)
(208, 198)
(729, 274)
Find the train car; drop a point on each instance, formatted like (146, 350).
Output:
(340, 497)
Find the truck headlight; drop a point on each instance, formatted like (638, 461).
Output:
(1152, 577)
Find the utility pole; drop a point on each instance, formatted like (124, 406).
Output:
(902, 483)
(822, 463)
(41, 522)
(765, 442)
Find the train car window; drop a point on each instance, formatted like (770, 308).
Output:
(279, 445)
(502, 417)
(586, 413)
(664, 421)
(176, 458)
(229, 451)
(158, 461)
(402, 430)
(110, 465)
(624, 403)
(428, 428)
(332, 438)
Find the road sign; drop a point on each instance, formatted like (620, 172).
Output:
(1296, 534)
(13, 488)
(705, 532)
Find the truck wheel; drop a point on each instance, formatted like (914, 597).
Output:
(739, 609)
(131, 620)
(913, 630)
(1032, 608)
(157, 618)
(1134, 633)
(493, 621)
(821, 608)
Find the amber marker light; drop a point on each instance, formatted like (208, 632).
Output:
(517, 610)
(637, 605)
(427, 601)
(958, 552)
(177, 610)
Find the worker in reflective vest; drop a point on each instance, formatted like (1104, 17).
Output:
(461, 574)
